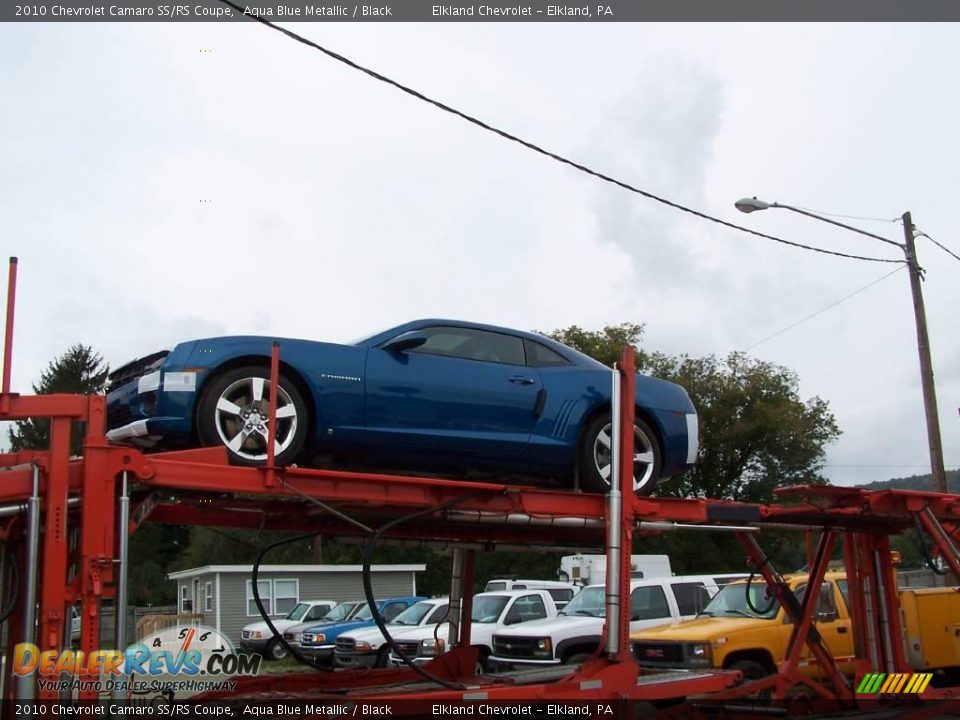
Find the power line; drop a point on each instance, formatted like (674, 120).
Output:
(852, 217)
(945, 249)
(823, 310)
(536, 148)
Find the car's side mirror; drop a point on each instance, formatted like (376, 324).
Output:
(406, 341)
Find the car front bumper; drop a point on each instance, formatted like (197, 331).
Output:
(322, 654)
(354, 660)
(257, 646)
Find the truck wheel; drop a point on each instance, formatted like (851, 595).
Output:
(276, 650)
(482, 667)
(595, 455)
(751, 670)
(383, 657)
(234, 411)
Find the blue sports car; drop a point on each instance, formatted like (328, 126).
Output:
(433, 395)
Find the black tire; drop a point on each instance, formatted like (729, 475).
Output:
(483, 666)
(234, 411)
(594, 457)
(383, 657)
(753, 670)
(577, 659)
(275, 651)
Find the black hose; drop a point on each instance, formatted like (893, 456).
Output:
(278, 636)
(368, 549)
(12, 587)
(753, 572)
(924, 551)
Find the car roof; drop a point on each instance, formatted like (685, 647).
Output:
(565, 350)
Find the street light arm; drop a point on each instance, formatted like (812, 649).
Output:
(838, 224)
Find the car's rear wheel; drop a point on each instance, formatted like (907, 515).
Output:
(596, 454)
(234, 411)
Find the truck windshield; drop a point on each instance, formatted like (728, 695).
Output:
(731, 601)
(413, 614)
(487, 608)
(297, 612)
(340, 612)
(589, 601)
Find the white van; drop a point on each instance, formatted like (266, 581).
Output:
(561, 592)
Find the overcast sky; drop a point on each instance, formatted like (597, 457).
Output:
(165, 182)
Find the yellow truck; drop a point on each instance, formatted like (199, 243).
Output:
(750, 632)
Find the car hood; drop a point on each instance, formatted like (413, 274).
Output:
(562, 624)
(704, 629)
(373, 635)
(336, 629)
(280, 625)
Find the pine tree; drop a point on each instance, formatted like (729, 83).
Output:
(80, 371)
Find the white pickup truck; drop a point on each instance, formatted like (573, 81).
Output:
(575, 634)
(492, 612)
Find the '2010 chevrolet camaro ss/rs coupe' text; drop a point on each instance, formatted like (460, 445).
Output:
(431, 394)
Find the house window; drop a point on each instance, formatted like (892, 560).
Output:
(186, 604)
(286, 594)
(265, 588)
(208, 597)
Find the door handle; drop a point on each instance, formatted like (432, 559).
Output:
(842, 630)
(522, 380)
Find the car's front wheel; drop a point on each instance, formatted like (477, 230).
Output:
(234, 411)
(596, 453)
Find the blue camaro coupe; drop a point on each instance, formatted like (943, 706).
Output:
(433, 395)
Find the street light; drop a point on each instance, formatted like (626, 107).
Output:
(749, 205)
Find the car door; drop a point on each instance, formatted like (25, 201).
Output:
(835, 630)
(464, 391)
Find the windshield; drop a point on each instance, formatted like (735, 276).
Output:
(487, 608)
(340, 612)
(297, 612)
(365, 613)
(731, 601)
(413, 614)
(591, 601)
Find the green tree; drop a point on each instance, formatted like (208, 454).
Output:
(79, 370)
(603, 345)
(756, 433)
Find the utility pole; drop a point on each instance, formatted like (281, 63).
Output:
(926, 365)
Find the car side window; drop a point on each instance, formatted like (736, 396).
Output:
(439, 614)
(392, 610)
(526, 608)
(470, 344)
(689, 597)
(648, 603)
(561, 594)
(317, 612)
(541, 356)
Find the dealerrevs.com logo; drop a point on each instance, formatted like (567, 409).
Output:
(179, 655)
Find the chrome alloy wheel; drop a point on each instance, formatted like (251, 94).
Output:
(644, 461)
(243, 418)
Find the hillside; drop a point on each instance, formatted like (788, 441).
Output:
(916, 482)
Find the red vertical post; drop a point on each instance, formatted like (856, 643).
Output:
(53, 582)
(97, 530)
(466, 600)
(272, 422)
(628, 392)
(8, 329)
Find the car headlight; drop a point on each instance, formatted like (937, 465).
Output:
(432, 646)
(319, 638)
(361, 645)
(544, 647)
(699, 652)
(257, 634)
